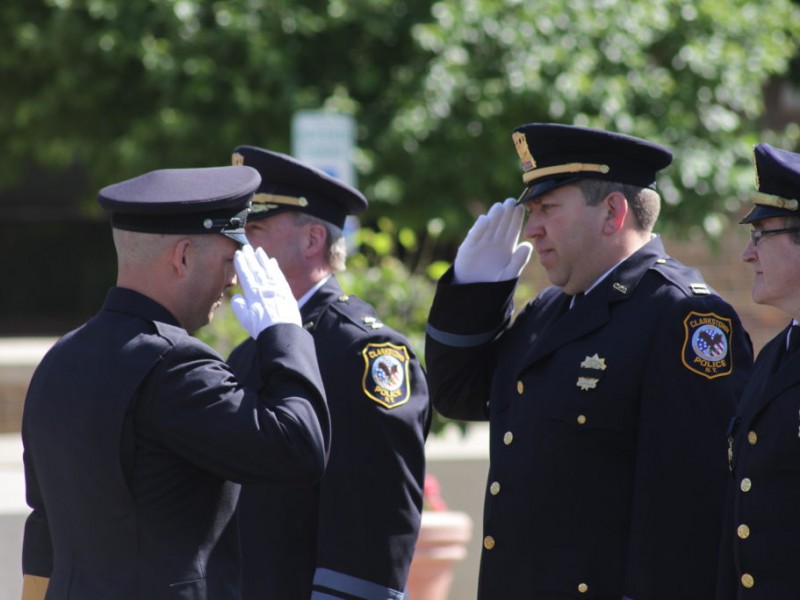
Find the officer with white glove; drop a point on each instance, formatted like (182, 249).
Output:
(587, 432)
(490, 251)
(267, 296)
(137, 435)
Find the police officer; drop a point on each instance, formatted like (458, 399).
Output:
(760, 550)
(609, 394)
(136, 434)
(353, 535)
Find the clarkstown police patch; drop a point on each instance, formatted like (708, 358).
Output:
(706, 347)
(386, 374)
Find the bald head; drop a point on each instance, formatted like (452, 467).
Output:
(135, 249)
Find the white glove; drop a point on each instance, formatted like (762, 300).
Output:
(267, 297)
(490, 251)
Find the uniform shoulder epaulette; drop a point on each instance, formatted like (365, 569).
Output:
(357, 311)
(686, 278)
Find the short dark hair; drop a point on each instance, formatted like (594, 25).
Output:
(645, 202)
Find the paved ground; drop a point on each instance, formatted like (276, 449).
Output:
(13, 511)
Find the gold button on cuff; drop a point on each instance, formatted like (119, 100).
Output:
(508, 438)
(520, 387)
(494, 489)
(746, 485)
(748, 581)
(583, 588)
(488, 542)
(752, 437)
(743, 531)
(581, 419)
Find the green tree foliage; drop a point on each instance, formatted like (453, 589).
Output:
(122, 87)
(685, 73)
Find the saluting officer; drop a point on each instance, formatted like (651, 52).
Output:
(760, 551)
(609, 394)
(353, 535)
(136, 434)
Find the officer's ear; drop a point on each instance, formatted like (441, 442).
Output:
(316, 237)
(616, 206)
(182, 252)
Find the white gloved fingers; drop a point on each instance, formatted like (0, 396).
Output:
(245, 274)
(490, 244)
(242, 313)
(519, 259)
(496, 224)
(261, 257)
(477, 231)
(253, 278)
(277, 280)
(509, 220)
(516, 217)
(256, 265)
(495, 218)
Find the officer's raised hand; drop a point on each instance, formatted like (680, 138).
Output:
(490, 251)
(267, 297)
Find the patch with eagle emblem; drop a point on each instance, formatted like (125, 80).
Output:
(706, 347)
(386, 374)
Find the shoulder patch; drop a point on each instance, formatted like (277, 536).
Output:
(706, 345)
(386, 374)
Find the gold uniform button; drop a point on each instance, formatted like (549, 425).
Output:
(581, 419)
(748, 581)
(520, 387)
(488, 542)
(746, 485)
(508, 438)
(752, 437)
(743, 531)
(583, 588)
(344, 298)
(494, 489)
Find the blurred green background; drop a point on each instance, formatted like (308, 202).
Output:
(96, 91)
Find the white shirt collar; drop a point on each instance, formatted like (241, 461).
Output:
(305, 297)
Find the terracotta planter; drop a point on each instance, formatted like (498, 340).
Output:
(441, 544)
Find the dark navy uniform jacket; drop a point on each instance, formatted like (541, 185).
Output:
(353, 536)
(608, 454)
(761, 533)
(136, 437)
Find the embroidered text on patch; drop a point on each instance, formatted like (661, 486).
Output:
(706, 345)
(386, 374)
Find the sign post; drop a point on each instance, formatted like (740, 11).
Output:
(325, 140)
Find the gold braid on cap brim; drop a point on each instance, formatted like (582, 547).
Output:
(535, 174)
(776, 201)
(264, 202)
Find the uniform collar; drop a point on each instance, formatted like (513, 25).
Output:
(329, 292)
(633, 270)
(128, 301)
